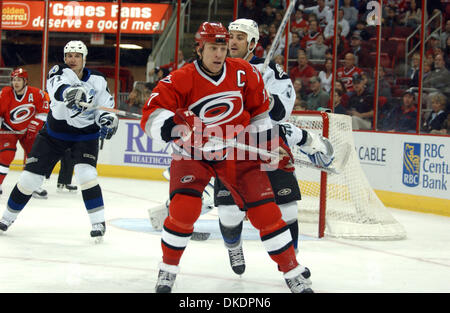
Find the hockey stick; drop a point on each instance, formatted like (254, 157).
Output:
(12, 132)
(277, 37)
(339, 163)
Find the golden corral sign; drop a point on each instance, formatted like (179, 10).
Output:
(86, 17)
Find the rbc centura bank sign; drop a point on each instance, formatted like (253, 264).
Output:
(143, 150)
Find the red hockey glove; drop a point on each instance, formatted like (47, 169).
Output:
(189, 128)
(285, 159)
(34, 127)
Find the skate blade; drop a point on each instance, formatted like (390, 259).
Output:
(97, 240)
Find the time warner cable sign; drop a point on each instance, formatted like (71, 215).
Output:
(424, 165)
(142, 150)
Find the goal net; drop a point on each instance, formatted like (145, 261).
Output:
(340, 205)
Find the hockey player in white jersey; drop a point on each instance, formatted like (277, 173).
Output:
(74, 122)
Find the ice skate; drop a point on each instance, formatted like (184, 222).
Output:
(40, 194)
(66, 188)
(298, 280)
(97, 232)
(4, 224)
(237, 260)
(166, 278)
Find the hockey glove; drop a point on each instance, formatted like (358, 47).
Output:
(34, 127)
(318, 149)
(109, 122)
(189, 128)
(77, 98)
(284, 160)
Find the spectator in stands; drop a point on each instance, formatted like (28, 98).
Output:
(272, 31)
(434, 44)
(316, 51)
(439, 78)
(299, 25)
(339, 85)
(298, 88)
(447, 52)
(311, 35)
(342, 44)
(360, 105)
(384, 88)
(339, 107)
(360, 52)
(268, 14)
(350, 13)
(303, 70)
(445, 128)
(414, 70)
(413, 15)
(293, 46)
(401, 117)
(390, 18)
(439, 112)
(170, 66)
(137, 98)
(326, 76)
(248, 9)
(361, 27)
(161, 73)
(324, 13)
(299, 105)
(317, 98)
(345, 26)
(445, 35)
(347, 72)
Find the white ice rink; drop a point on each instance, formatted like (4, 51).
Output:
(48, 249)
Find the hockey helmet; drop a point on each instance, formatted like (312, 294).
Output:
(20, 72)
(76, 46)
(211, 32)
(245, 25)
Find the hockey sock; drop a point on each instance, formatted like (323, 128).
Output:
(93, 201)
(184, 210)
(275, 235)
(16, 202)
(293, 228)
(231, 235)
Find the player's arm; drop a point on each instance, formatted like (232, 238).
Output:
(42, 108)
(107, 121)
(281, 90)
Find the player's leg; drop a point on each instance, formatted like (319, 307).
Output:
(188, 179)
(265, 215)
(7, 153)
(40, 162)
(287, 193)
(230, 223)
(66, 173)
(85, 155)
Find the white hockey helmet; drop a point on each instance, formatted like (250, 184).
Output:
(245, 25)
(76, 46)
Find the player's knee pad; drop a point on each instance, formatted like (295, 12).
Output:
(184, 210)
(230, 215)
(289, 212)
(86, 176)
(29, 182)
(265, 217)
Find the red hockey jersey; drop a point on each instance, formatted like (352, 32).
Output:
(346, 75)
(17, 112)
(236, 97)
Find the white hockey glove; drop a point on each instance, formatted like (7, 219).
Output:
(318, 149)
(78, 98)
(158, 215)
(108, 122)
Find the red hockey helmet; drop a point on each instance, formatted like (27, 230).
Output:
(211, 32)
(19, 72)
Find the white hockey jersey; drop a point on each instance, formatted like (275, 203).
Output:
(280, 86)
(294, 135)
(64, 123)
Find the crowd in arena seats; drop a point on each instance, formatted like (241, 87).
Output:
(310, 44)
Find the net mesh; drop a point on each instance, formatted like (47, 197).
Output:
(352, 208)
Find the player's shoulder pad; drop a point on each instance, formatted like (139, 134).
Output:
(96, 73)
(57, 70)
(278, 70)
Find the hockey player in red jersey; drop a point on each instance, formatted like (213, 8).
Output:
(216, 94)
(23, 110)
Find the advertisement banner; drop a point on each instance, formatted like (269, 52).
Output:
(411, 164)
(86, 17)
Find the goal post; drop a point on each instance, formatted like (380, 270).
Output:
(340, 205)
